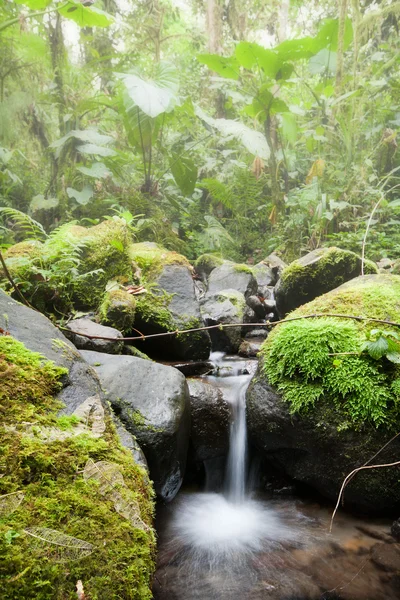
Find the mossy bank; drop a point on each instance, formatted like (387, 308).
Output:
(42, 463)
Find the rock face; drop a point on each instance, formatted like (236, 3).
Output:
(54, 477)
(225, 307)
(210, 421)
(230, 276)
(319, 421)
(170, 305)
(90, 328)
(152, 401)
(317, 273)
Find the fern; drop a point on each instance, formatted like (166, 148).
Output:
(219, 192)
(25, 224)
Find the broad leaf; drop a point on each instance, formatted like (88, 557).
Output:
(39, 202)
(85, 16)
(250, 54)
(327, 36)
(97, 170)
(34, 4)
(253, 141)
(91, 136)
(394, 357)
(378, 348)
(153, 97)
(324, 61)
(184, 172)
(82, 197)
(96, 150)
(142, 130)
(297, 49)
(226, 67)
(289, 126)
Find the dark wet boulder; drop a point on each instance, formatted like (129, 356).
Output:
(89, 327)
(316, 416)
(225, 307)
(170, 304)
(251, 347)
(117, 310)
(395, 530)
(264, 275)
(207, 263)
(210, 414)
(152, 401)
(232, 276)
(316, 273)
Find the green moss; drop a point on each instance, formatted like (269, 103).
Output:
(296, 356)
(208, 262)
(152, 307)
(236, 298)
(151, 259)
(118, 310)
(240, 268)
(56, 496)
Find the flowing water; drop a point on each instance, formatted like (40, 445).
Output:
(232, 545)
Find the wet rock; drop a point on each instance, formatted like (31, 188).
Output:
(257, 333)
(258, 307)
(250, 348)
(207, 263)
(173, 306)
(395, 530)
(152, 401)
(129, 441)
(264, 275)
(89, 327)
(225, 307)
(193, 369)
(387, 556)
(210, 414)
(231, 276)
(316, 273)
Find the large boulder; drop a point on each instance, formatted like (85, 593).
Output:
(227, 308)
(316, 413)
(58, 471)
(170, 304)
(76, 327)
(316, 273)
(210, 413)
(152, 401)
(232, 276)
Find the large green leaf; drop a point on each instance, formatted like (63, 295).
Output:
(96, 150)
(89, 136)
(226, 67)
(85, 16)
(82, 197)
(327, 36)
(250, 54)
(324, 61)
(156, 96)
(253, 141)
(184, 172)
(39, 202)
(297, 49)
(289, 126)
(97, 170)
(142, 130)
(34, 4)
(265, 103)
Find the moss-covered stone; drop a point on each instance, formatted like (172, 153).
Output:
(118, 310)
(317, 273)
(47, 471)
(151, 259)
(206, 263)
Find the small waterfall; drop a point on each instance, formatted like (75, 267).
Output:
(237, 457)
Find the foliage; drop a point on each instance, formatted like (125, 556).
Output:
(65, 513)
(298, 361)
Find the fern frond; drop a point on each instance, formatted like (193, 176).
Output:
(219, 192)
(33, 229)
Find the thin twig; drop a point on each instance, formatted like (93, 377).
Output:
(11, 280)
(349, 476)
(366, 233)
(226, 325)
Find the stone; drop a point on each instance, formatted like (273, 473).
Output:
(152, 401)
(316, 273)
(250, 348)
(395, 530)
(320, 444)
(225, 307)
(234, 277)
(117, 310)
(210, 414)
(386, 556)
(264, 275)
(89, 327)
(207, 263)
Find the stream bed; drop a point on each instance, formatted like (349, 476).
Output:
(239, 544)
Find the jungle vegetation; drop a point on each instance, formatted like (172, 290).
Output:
(236, 128)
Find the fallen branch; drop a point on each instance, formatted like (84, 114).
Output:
(226, 325)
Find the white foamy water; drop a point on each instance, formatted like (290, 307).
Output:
(212, 524)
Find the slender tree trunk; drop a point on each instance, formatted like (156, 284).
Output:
(214, 14)
(283, 20)
(57, 50)
(342, 6)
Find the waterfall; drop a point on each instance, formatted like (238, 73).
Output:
(237, 457)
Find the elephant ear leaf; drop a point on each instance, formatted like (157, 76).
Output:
(184, 172)
(85, 16)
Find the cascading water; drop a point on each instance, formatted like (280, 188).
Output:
(229, 545)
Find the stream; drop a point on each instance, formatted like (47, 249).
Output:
(239, 544)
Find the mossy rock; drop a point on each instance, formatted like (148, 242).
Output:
(118, 310)
(206, 263)
(317, 273)
(42, 458)
(152, 258)
(320, 406)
